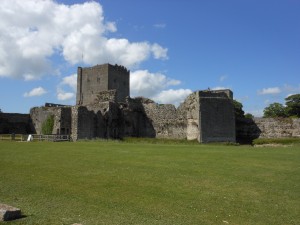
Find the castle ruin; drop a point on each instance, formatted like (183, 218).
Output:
(104, 109)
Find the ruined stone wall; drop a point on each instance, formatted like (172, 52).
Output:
(189, 111)
(15, 123)
(39, 115)
(278, 128)
(102, 120)
(166, 120)
(84, 123)
(249, 129)
(135, 121)
(269, 128)
(87, 123)
(206, 116)
(62, 119)
(216, 116)
(74, 122)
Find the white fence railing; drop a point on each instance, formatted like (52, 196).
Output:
(34, 137)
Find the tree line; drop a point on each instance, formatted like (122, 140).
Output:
(291, 108)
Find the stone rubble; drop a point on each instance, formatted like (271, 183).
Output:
(8, 213)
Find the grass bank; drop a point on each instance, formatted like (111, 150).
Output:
(138, 183)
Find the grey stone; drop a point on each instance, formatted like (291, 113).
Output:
(268, 128)
(104, 110)
(91, 81)
(8, 213)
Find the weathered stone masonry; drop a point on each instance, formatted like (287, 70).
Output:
(249, 129)
(92, 82)
(62, 118)
(104, 110)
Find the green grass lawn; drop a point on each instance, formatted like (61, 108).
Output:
(127, 183)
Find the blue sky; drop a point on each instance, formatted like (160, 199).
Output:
(171, 47)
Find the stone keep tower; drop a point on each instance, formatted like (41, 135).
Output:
(96, 80)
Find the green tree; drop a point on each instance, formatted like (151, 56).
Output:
(275, 110)
(48, 125)
(249, 116)
(238, 109)
(0, 111)
(293, 105)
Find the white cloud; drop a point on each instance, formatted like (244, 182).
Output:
(172, 96)
(154, 86)
(269, 91)
(63, 96)
(111, 26)
(159, 52)
(70, 81)
(35, 92)
(32, 31)
(28, 77)
(144, 83)
(219, 88)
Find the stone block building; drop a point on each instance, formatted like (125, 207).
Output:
(92, 82)
(104, 109)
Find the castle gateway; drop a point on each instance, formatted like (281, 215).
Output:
(104, 109)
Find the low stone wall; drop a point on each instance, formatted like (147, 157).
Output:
(249, 129)
(278, 128)
(15, 123)
(166, 121)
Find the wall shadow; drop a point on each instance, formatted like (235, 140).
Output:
(16, 123)
(136, 121)
(246, 130)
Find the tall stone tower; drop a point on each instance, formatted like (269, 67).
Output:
(210, 116)
(96, 80)
(216, 116)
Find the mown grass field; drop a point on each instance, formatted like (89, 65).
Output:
(136, 183)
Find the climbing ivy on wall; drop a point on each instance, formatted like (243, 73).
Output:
(48, 124)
